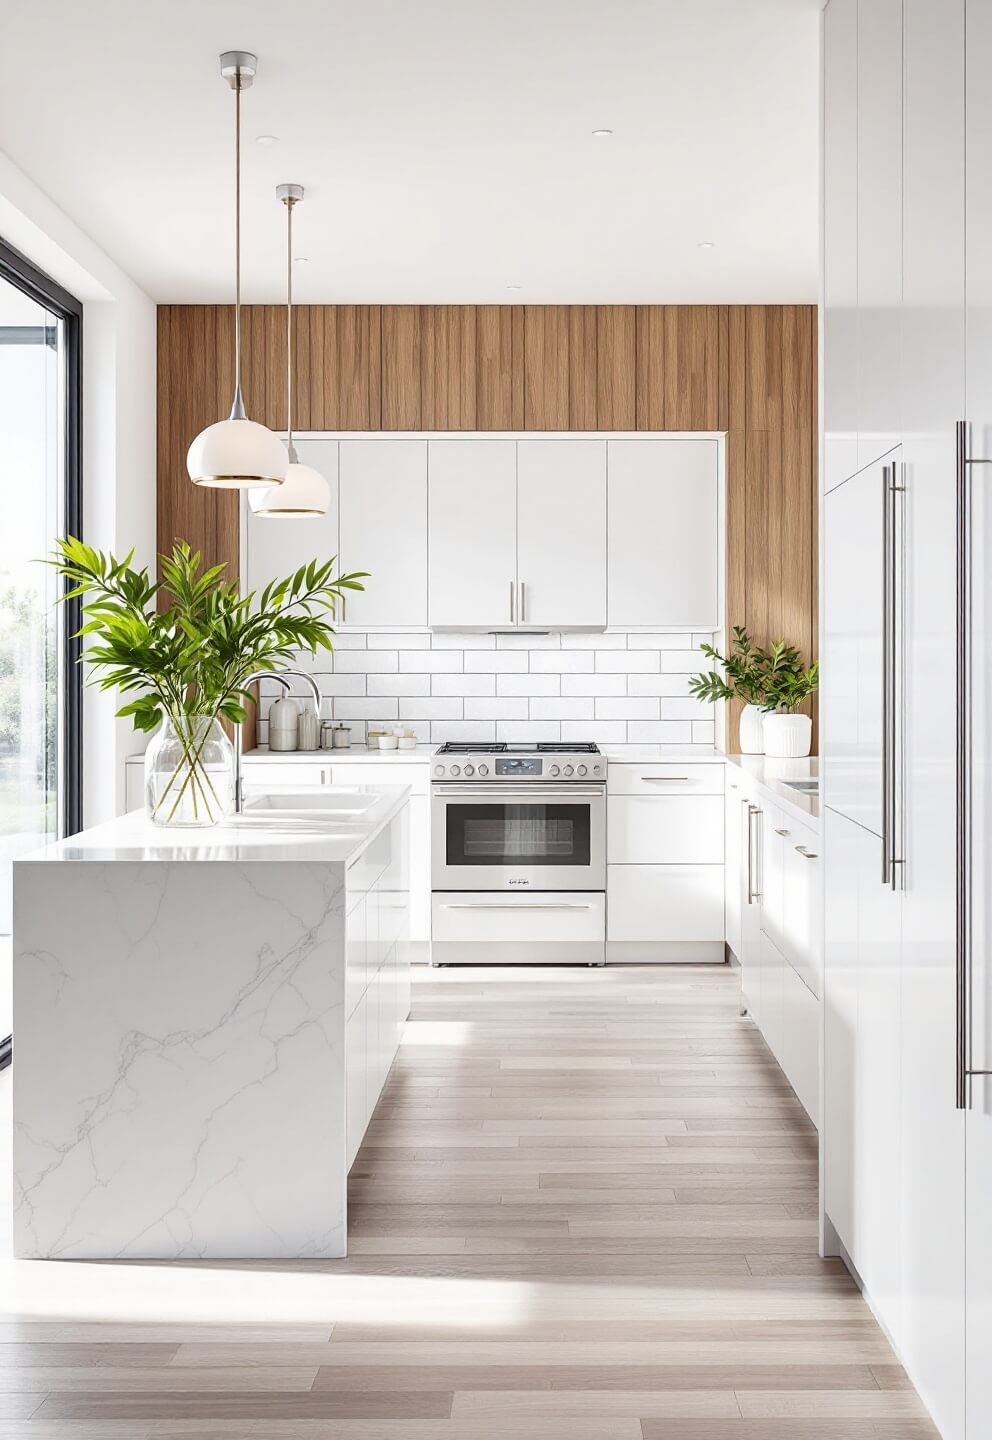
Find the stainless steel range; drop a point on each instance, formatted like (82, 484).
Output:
(518, 847)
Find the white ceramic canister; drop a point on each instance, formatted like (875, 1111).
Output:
(788, 737)
(284, 724)
(752, 739)
(308, 732)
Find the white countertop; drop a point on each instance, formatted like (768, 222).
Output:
(770, 775)
(332, 826)
(421, 752)
(644, 754)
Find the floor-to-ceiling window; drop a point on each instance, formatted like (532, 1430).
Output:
(40, 740)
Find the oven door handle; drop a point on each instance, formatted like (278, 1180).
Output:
(505, 792)
(512, 906)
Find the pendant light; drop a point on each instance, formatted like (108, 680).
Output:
(237, 453)
(304, 492)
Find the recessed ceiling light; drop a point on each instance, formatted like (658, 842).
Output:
(602, 134)
(266, 139)
(514, 287)
(301, 259)
(707, 244)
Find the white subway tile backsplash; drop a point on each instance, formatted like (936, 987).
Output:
(627, 662)
(562, 662)
(614, 687)
(594, 685)
(528, 731)
(462, 684)
(659, 732)
(627, 707)
(432, 708)
(369, 707)
(550, 708)
(433, 661)
(492, 707)
(364, 662)
(657, 685)
(399, 685)
(640, 640)
(496, 662)
(528, 684)
(442, 730)
(460, 640)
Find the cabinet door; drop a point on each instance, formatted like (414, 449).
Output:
(840, 240)
(879, 184)
(665, 903)
(664, 533)
(274, 548)
(841, 1104)
(801, 915)
(774, 836)
(383, 529)
(667, 830)
(851, 699)
(979, 412)
(561, 532)
(733, 836)
(472, 533)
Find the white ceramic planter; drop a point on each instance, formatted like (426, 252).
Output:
(788, 737)
(752, 739)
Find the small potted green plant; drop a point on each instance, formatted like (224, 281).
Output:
(787, 734)
(745, 677)
(186, 667)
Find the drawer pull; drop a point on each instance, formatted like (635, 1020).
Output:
(664, 779)
(784, 832)
(514, 908)
(806, 854)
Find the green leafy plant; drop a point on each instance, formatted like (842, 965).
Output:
(745, 673)
(190, 659)
(788, 681)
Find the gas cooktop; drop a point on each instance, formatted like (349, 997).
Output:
(548, 761)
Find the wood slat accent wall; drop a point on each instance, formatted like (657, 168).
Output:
(747, 369)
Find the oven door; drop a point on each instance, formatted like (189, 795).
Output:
(518, 837)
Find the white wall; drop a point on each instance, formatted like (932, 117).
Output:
(119, 325)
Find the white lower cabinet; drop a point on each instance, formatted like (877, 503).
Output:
(665, 862)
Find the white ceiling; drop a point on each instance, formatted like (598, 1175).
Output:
(444, 145)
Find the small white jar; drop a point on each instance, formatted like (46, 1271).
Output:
(284, 724)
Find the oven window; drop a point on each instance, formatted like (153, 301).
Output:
(526, 834)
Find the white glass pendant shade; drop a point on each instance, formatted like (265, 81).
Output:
(237, 455)
(303, 493)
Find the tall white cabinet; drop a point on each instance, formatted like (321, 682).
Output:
(908, 1001)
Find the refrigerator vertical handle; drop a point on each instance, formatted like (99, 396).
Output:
(887, 567)
(962, 767)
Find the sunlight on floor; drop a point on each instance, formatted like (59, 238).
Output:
(437, 1032)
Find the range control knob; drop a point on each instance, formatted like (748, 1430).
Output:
(597, 769)
(483, 769)
(456, 769)
(555, 770)
(568, 770)
(438, 769)
(469, 769)
(582, 770)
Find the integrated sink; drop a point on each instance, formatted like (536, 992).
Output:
(337, 803)
(805, 787)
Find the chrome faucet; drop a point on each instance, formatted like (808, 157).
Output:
(281, 679)
(238, 786)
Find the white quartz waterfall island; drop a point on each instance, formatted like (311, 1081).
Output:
(204, 1021)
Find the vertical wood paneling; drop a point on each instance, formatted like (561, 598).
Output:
(747, 369)
(616, 367)
(401, 367)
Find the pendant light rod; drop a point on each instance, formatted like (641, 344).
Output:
(238, 68)
(290, 195)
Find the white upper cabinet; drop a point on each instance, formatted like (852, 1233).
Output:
(561, 533)
(275, 548)
(879, 198)
(663, 525)
(472, 552)
(383, 529)
(840, 241)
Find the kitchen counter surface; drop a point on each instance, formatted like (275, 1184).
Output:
(770, 775)
(645, 754)
(335, 826)
(421, 753)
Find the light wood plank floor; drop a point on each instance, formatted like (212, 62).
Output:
(585, 1210)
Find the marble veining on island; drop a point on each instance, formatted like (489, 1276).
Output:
(183, 1022)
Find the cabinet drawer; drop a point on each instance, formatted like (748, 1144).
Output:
(799, 1046)
(665, 902)
(467, 917)
(271, 776)
(367, 772)
(664, 829)
(667, 778)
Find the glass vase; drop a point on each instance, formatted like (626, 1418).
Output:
(189, 772)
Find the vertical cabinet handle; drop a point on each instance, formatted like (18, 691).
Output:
(513, 602)
(962, 769)
(753, 894)
(892, 859)
(886, 665)
(522, 606)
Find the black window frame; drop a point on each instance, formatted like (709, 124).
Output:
(20, 272)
